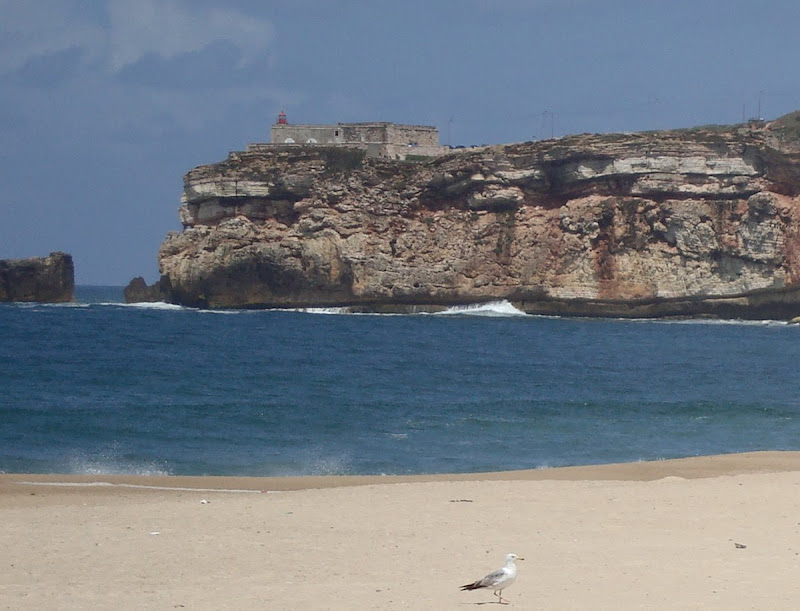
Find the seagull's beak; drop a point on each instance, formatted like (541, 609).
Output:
(520, 558)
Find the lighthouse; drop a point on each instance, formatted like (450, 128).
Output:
(282, 118)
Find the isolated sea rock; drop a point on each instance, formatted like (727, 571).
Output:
(676, 223)
(44, 279)
(138, 290)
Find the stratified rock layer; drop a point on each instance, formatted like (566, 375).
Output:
(690, 222)
(44, 279)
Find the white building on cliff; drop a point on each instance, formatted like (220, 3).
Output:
(387, 140)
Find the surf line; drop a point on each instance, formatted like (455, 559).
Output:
(144, 486)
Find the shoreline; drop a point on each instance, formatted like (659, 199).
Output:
(719, 308)
(715, 533)
(695, 467)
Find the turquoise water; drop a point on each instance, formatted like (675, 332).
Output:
(104, 387)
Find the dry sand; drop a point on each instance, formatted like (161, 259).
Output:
(659, 535)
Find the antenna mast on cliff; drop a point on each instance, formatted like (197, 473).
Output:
(552, 116)
(655, 113)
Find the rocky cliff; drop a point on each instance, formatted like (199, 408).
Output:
(45, 279)
(688, 222)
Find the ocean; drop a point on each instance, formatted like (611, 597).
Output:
(101, 387)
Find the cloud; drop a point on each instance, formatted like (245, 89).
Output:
(31, 30)
(123, 32)
(168, 28)
(107, 66)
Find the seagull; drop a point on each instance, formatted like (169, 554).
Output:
(499, 579)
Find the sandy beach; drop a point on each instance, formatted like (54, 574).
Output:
(719, 532)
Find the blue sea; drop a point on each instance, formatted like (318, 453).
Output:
(102, 387)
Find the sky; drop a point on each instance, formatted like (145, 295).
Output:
(106, 104)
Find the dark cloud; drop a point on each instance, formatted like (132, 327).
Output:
(220, 64)
(50, 70)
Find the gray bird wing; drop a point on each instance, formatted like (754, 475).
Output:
(493, 578)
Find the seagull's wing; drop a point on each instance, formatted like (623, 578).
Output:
(492, 579)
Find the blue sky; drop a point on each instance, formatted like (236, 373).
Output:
(105, 104)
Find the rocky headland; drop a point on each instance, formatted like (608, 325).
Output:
(697, 222)
(44, 279)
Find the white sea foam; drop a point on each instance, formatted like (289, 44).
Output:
(110, 462)
(327, 311)
(714, 321)
(152, 305)
(493, 308)
(316, 463)
(68, 304)
(224, 312)
(161, 305)
(342, 310)
(99, 468)
(145, 486)
(37, 305)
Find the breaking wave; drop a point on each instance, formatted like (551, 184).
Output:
(110, 461)
(493, 308)
(150, 305)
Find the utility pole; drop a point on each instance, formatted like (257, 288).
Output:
(655, 114)
(449, 124)
(552, 116)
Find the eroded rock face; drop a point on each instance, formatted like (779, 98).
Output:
(138, 291)
(44, 279)
(670, 223)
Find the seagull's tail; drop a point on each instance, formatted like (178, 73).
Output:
(472, 586)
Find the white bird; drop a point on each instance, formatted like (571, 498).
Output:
(499, 580)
